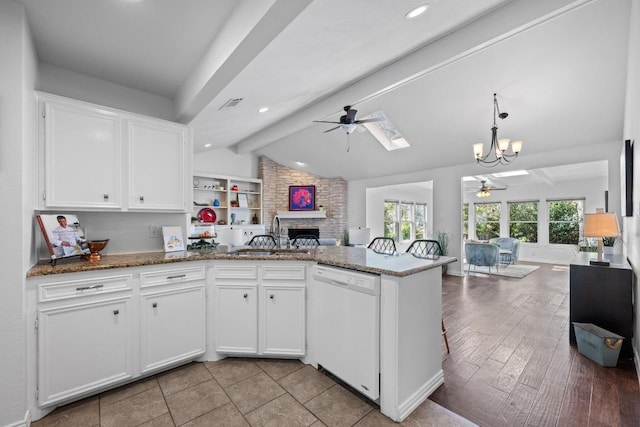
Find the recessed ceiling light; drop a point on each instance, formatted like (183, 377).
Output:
(416, 11)
(263, 110)
(207, 145)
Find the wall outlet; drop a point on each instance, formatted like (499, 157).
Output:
(155, 232)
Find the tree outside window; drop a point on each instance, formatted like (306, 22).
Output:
(465, 221)
(487, 220)
(391, 219)
(565, 221)
(523, 221)
(420, 220)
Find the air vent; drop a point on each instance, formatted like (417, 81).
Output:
(230, 103)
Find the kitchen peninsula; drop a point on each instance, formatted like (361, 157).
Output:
(135, 289)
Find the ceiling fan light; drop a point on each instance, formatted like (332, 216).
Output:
(516, 146)
(478, 149)
(348, 128)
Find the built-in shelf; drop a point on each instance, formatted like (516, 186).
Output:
(301, 214)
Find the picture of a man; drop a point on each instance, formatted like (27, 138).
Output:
(68, 238)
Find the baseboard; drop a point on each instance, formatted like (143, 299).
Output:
(422, 394)
(26, 422)
(636, 360)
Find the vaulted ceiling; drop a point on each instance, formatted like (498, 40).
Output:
(558, 66)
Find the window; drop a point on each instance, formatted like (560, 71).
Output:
(523, 221)
(404, 221)
(465, 221)
(487, 220)
(565, 221)
(391, 219)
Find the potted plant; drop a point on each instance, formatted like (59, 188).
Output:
(608, 244)
(443, 239)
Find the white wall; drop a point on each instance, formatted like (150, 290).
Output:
(17, 79)
(225, 161)
(631, 225)
(447, 189)
(62, 82)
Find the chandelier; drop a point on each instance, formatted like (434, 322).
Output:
(497, 154)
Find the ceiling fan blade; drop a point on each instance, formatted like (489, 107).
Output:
(337, 127)
(325, 121)
(376, 119)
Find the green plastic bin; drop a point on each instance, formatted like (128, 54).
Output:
(598, 344)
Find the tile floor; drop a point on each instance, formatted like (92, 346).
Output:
(237, 392)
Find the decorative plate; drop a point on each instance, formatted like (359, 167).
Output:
(207, 215)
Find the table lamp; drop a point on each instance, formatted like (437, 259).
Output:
(601, 224)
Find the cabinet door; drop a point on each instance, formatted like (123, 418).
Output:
(172, 326)
(82, 151)
(236, 319)
(282, 324)
(156, 165)
(83, 347)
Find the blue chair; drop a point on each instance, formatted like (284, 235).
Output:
(509, 248)
(482, 254)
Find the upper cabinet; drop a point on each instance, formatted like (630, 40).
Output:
(99, 158)
(82, 156)
(156, 164)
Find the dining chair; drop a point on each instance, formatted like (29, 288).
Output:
(305, 241)
(263, 241)
(383, 245)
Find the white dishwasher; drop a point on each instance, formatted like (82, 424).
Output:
(346, 307)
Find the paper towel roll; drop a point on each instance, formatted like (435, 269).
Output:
(230, 236)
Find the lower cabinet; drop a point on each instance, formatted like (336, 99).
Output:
(172, 326)
(260, 309)
(85, 339)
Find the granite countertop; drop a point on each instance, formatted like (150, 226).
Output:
(360, 259)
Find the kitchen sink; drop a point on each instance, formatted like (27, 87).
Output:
(268, 252)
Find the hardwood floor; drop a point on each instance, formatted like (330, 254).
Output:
(511, 363)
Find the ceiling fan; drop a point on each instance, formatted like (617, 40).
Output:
(348, 121)
(485, 189)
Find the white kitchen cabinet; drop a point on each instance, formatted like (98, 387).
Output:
(85, 336)
(102, 159)
(157, 159)
(282, 322)
(260, 309)
(172, 317)
(82, 155)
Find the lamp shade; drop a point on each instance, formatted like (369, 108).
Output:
(601, 224)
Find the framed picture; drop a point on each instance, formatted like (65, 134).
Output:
(173, 240)
(63, 235)
(243, 201)
(302, 197)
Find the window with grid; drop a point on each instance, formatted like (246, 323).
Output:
(487, 220)
(565, 221)
(391, 219)
(465, 221)
(523, 221)
(404, 220)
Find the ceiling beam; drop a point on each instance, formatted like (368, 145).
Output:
(251, 27)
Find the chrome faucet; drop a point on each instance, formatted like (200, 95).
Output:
(276, 233)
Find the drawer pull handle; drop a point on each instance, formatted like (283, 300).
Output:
(179, 276)
(154, 305)
(105, 197)
(116, 312)
(245, 296)
(84, 288)
(142, 199)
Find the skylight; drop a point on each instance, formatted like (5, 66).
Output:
(385, 132)
(509, 173)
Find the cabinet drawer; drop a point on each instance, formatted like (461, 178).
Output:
(83, 287)
(236, 272)
(283, 272)
(169, 276)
